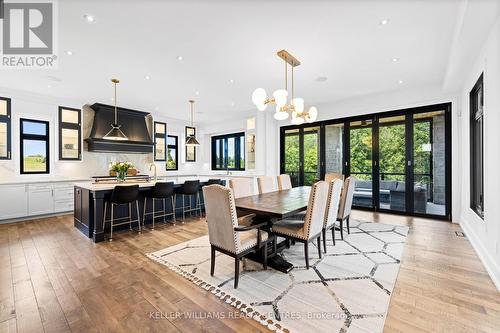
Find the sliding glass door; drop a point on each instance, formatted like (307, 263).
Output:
(400, 159)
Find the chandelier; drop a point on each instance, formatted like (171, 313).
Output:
(285, 109)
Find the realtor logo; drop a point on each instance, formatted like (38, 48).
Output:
(28, 35)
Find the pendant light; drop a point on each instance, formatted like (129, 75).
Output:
(115, 133)
(191, 140)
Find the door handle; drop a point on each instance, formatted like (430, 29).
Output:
(409, 163)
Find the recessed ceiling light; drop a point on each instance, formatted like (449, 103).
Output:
(233, 104)
(231, 81)
(147, 77)
(400, 82)
(395, 59)
(89, 18)
(70, 53)
(321, 78)
(197, 93)
(157, 108)
(180, 58)
(111, 99)
(384, 21)
(49, 86)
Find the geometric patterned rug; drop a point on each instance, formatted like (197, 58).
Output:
(348, 290)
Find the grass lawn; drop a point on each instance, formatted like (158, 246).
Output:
(34, 164)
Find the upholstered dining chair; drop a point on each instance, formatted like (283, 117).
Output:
(332, 176)
(311, 227)
(284, 182)
(242, 187)
(346, 204)
(225, 233)
(332, 208)
(265, 184)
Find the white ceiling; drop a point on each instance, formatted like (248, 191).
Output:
(238, 40)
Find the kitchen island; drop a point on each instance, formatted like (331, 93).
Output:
(89, 204)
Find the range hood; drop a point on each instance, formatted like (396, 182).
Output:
(137, 126)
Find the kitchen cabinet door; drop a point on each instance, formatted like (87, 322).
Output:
(40, 199)
(13, 201)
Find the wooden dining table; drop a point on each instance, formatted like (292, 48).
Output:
(272, 207)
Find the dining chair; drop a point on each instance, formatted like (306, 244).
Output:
(225, 233)
(284, 182)
(332, 176)
(332, 209)
(346, 204)
(311, 227)
(265, 184)
(242, 187)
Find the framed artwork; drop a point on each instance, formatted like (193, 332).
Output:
(190, 151)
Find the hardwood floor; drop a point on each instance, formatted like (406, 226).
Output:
(53, 279)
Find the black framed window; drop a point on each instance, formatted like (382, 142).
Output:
(160, 141)
(228, 152)
(172, 152)
(5, 125)
(190, 150)
(34, 146)
(476, 148)
(70, 134)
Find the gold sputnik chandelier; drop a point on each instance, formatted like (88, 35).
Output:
(285, 109)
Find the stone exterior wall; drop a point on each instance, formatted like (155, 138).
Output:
(438, 158)
(333, 137)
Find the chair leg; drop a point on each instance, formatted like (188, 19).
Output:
(306, 253)
(236, 272)
(348, 228)
(324, 239)
(319, 246)
(264, 255)
(104, 218)
(212, 261)
(130, 216)
(138, 218)
(275, 244)
(333, 235)
(164, 209)
(144, 212)
(183, 209)
(173, 207)
(199, 204)
(112, 210)
(153, 228)
(287, 243)
(342, 229)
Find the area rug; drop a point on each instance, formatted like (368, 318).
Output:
(348, 290)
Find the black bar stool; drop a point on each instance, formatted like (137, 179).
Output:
(163, 192)
(190, 188)
(123, 195)
(214, 182)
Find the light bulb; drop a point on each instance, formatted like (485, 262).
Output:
(279, 114)
(297, 120)
(261, 107)
(312, 114)
(298, 104)
(259, 96)
(280, 96)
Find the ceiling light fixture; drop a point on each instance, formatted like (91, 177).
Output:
(231, 81)
(89, 18)
(180, 58)
(147, 77)
(191, 140)
(197, 93)
(280, 97)
(384, 21)
(115, 133)
(400, 82)
(70, 53)
(395, 59)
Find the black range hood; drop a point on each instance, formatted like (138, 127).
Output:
(136, 125)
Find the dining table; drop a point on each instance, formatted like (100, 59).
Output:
(273, 207)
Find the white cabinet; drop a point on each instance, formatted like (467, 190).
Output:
(40, 199)
(63, 198)
(13, 201)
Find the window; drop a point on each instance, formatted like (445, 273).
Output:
(34, 146)
(5, 128)
(476, 148)
(70, 134)
(228, 152)
(190, 150)
(172, 152)
(160, 141)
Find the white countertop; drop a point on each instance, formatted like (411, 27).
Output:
(42, 180)
(89, 185)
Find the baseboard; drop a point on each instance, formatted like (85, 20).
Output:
(488, 261)
(34, 217)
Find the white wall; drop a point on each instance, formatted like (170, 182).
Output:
(32, 106)
(484, 235)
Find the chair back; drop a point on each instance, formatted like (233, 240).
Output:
(191, 187)
(221, 217)
(329, 177)
(242, 187)
(333, 202)
(284, 182)
(316, 209)
(124, 194)
(163, 190)
(214, 182)
(265, 184)
(346, 198)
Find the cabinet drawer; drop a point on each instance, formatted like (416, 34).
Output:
(39, 187)
(63, 206)
(63, 194)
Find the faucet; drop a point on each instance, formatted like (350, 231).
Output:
(151, 166)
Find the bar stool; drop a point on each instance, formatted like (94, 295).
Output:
(214, 182)
(123, 195)
(163, 192)
(190, 188)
